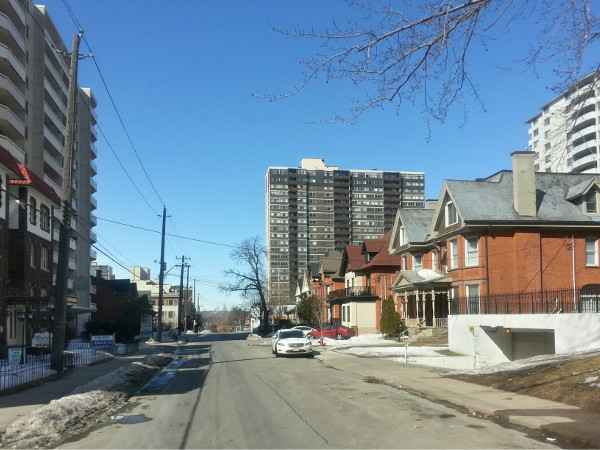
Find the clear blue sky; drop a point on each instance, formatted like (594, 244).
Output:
(182, 74)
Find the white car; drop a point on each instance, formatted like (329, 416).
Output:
(304, 329)
(291, 342)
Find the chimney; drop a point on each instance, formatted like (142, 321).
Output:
(524, 183)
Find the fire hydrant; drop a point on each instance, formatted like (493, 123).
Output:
(321, 343)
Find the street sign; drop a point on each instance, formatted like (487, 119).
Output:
(103, 341)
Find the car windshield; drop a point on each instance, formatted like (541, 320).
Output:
(291, 334)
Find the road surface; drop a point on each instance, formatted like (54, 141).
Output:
(223, 392)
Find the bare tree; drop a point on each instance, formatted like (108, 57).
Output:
(420, 52)
(249, 278)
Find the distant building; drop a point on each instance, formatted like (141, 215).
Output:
(139, 273)
(316, 209)
(565, 133)
(106, 271)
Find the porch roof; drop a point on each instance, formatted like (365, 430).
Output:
(411, 279)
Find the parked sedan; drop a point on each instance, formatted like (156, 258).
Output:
(332, 332)
(291, 342)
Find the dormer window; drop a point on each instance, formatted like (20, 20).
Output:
(591, 202)
(451, 215)
(402, 235)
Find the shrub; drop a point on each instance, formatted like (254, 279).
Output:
(390, 322)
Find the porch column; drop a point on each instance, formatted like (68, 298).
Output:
(433, 305)
(417, 300)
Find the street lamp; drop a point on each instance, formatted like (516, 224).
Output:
(23, 316)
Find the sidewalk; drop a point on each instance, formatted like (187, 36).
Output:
(556, 420)
(15, 405)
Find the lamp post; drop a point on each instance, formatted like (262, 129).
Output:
(23, 316)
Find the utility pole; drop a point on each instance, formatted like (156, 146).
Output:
(62, 267)
(179, 308)
(186, 308)
(161, 275)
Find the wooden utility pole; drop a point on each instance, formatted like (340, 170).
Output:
(62, 268)
(180, 303)
(161, 275)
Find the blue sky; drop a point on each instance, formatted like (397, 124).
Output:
(182, 76)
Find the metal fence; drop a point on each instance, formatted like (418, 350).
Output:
(558, 301)
(35, 366)
(355, 291)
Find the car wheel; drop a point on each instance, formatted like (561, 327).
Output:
(272, 350)
(339, 336)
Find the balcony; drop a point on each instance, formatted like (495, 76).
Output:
(355, 291)
(17, 152)
(12, 96)
(53, 164)
(93, 237)
(53, 141)
(10, 64)
(10, 119)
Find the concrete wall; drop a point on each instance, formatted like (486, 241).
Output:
(485, 338)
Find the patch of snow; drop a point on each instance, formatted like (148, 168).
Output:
(590, 379)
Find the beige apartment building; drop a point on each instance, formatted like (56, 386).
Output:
(34, 78)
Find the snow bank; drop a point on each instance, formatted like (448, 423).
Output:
(87, 405)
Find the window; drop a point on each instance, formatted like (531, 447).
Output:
(433, 261)
(32, 255)
(44, 218)
(591, 251)
(402, 235)
(451, 215)
(547, 121)
(471, 253)
(32, 211)
(591, 205)
(472, 299)
(453, 255)
(417, 262)
(404, 263)
(547, 146)
(536, 132)
(44, 258)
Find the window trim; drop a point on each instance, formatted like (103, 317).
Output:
(450, 209)
(593, 253)
(32, 211)
(453, 262)
(470, 253)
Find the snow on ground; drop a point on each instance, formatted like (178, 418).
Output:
(64, 417)
(525, 363)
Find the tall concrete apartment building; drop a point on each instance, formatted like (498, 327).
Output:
(315, 208)
(34, 79)
(565, 133)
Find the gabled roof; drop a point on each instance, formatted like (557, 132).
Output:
(372, 245)
(408, 279)
(352, 258)
(490, 201)
(8, 160)
(331, 264)
(31, 179)
(416, 223)
(383, 257)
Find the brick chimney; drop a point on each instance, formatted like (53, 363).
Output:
(524, 183)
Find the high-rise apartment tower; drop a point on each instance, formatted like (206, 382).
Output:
(315, 208)
(34, 82)
(565, 134)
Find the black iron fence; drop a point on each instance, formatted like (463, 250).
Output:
(355, 291)
(558, 301)
(34, 367)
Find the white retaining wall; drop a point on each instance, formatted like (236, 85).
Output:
(485, 337)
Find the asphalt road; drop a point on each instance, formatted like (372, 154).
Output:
(222, 392)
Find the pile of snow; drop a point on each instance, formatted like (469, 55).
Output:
(592, 381)
(253, 337)
(527, 363)
(70, 415)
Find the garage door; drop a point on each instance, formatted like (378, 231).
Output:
(526, 345)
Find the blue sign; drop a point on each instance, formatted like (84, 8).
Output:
(103, 341)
